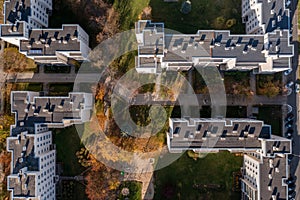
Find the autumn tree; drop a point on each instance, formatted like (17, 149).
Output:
(13, 61)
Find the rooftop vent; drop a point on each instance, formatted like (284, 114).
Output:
(273, 23)
(279, 18)
(270, 188)
(270, 176)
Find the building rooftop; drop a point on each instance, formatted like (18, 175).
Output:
(15, 30)
(22, 185)
(266, 52)
(46, 42)
(216, 133)
(22, 149)
(272, 177)
(31, 108)
(274, 15)
(15, 10)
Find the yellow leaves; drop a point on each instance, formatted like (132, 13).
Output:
(13, 61)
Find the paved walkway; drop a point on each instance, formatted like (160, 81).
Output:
(204, 99)
(71, 178)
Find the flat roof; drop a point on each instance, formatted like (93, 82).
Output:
(279, 14)
(46, 109)
(46, 42)
(16, 30)
(216, 133)
(23, 153)
(14, 11)
(212, 46)
(276, 182)
(22, 186)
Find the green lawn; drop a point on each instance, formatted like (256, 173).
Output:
(129, 11)
(236, 111)
(271, 115)
(67, 144)
(205, 14)
(57, 69)
(176, 181)
(72, 190)
(269, 84)
(237, 82)
(60, 89)
(135, 190)
(37, 87)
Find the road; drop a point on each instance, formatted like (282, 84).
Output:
(293, 99)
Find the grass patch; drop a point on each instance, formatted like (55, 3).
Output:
(14, 61)
(36, 87)
(57, 69)
(236, 112)
(67, 144)
(198, 84)
(147, 88)
(275, 121)
(237, 82)
(231, 112)
(72, 190)
(60, 89)
(129, 11)
(269, 85)
(205, 14)
(1, 11)
(134, 189)
(177, 180)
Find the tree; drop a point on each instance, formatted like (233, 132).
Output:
(13, 61)
(102, 182)
(230, 23)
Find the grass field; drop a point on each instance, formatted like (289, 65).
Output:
(237, 82)
(67, 144)
(269, 84)
(1, 10)
(271, 115)
(36, 87)
(205, 14)
(60, 89)
(236, 112)
(135, 190)
(176, 181)
(129, 11)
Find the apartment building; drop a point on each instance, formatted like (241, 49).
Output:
(213, 134)
(265, 167)
(55, 112)
(265, 172)
(266, 48)
(33, 154)
(33, 164)
(26, 26)
(264, 16)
